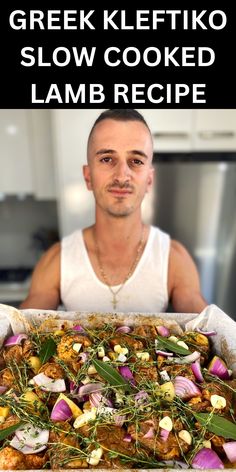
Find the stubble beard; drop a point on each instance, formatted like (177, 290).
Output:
(119, 208)
(119, 213)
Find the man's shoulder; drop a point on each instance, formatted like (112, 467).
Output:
(51, 256)
(178, 248)
(179, 255)
(181, 263)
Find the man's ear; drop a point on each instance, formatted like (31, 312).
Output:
(150, 179)
(87, 176)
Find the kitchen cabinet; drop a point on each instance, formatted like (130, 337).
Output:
(192, 130)
(214, 130)
(26, 153)
(16, 165)
(171, 129)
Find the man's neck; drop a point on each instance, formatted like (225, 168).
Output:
(113, 233)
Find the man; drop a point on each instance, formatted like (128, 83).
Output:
(118, 264)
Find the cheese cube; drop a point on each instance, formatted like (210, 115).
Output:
(77, 347)
(143, 356)
(101, 351)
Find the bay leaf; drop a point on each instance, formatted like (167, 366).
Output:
(172, 347)
(217, 425)
(111, 375)
(4, 433)
(47, 350)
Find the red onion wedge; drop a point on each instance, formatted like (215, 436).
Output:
(3, 389)
(164, 434)
(119, 420)
(73, 387)
(126, 373)
(185, 388)
(84, 356)
(17, 444)
(79, 328)
(163, 331)
(206, 333)
(141, 397)
(194, 356)
(89, 388)
(127, 438)
(164, 353)
(150, 434)
(124, 329)
(15, 340)
(97, 399)
(32, 436)
(61, 411)
(196, 369)
(49, 385)
(218, 367)
(206, 458)
(230, 450)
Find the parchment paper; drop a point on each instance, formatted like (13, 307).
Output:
(212, 318)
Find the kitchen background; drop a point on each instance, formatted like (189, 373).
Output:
(43, 196)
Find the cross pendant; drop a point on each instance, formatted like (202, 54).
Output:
(114, 301)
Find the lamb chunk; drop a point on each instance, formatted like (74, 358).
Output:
(145, 370)
(147, 332)
(112, 437)
(66, 352)
(214, 388)
(11, 459)
(6, 378)
(127, 341)
(57, 454)
(35, 461)
(52, 370)
(163, 450)
(178, 369)
(18, 353)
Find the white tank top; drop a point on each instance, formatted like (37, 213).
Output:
(145, 291)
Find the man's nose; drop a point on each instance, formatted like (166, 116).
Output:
(122, 171)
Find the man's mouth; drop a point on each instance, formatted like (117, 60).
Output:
(120, 192)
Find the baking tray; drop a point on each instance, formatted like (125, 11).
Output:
(212, 318)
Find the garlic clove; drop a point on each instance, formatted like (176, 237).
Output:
(166, 423)
(218, 402)
(185, 436)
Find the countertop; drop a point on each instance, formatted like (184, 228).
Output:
(14, 291)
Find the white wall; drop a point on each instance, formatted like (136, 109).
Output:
(70, 133)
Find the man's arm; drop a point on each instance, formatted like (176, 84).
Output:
(183, 281)
(45, 285)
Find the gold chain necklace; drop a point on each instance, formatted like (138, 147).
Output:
(114, 293)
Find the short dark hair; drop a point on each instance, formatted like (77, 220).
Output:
(119, 114)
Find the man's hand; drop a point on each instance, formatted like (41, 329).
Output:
(183, 281)
(45, 286)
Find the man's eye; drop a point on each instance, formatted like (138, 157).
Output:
(137, 162)
(106, 159)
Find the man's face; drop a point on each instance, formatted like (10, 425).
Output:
(119, 170)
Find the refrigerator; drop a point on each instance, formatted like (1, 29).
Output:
(195, 202)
